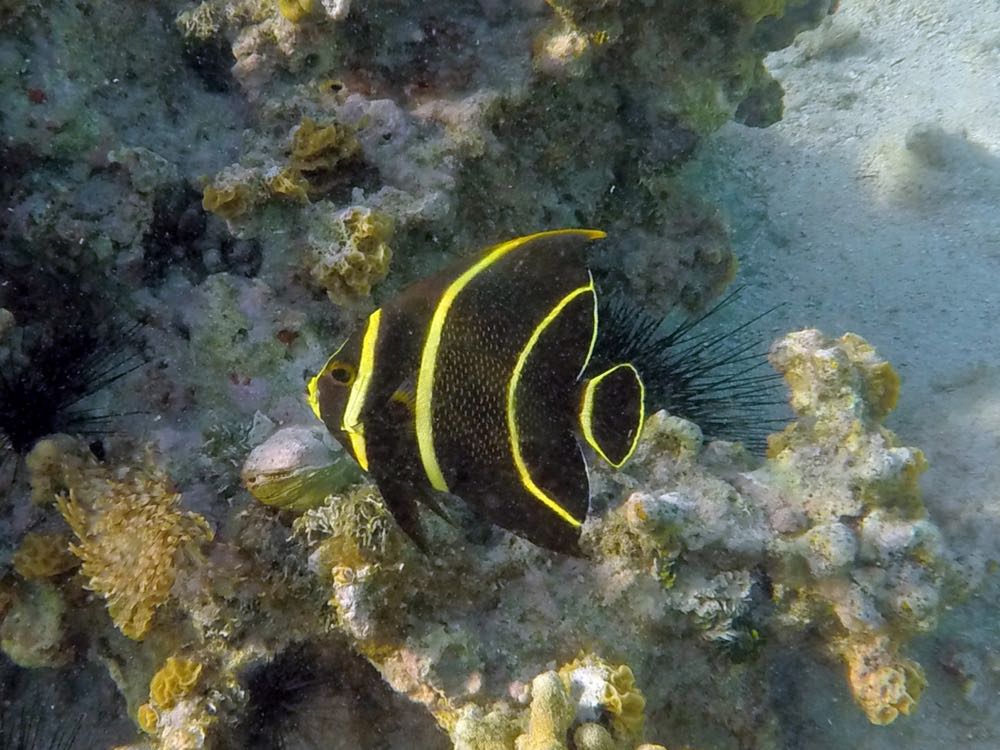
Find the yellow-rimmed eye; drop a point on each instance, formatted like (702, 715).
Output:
(342, 373)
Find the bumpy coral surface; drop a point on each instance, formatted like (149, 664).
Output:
(595, 703)
(351, 254)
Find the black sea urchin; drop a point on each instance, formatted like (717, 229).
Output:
(67, 343)
(33, 725)
(716, 377)
(277, 692)
(29, 728)
(44, 380)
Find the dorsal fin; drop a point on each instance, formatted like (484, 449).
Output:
(612, 412)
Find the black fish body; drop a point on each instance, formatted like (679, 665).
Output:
(472, 381)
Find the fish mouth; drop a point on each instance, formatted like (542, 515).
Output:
(355, 433)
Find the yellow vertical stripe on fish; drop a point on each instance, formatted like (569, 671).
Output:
(587, 411)
(428, 358)
(593, 335)
(515, 439)
(359, 390)
(312, 389)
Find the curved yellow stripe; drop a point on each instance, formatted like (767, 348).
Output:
(352, 424)
(515, 439)
(593, 335)
(587, 413)
(428, 357)
(312, 388)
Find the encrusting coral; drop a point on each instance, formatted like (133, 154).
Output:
(352, 253)
(318, 151)
(871, 554)
(588, 699)
(42, 555)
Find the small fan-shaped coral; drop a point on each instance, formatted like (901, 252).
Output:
(132, 537)
(176, 712)
(174, 680)
(230, 199)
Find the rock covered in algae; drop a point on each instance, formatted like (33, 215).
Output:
(296, 468)
(41, 555)
(33, 630)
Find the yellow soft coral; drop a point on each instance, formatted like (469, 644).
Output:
(43, 556)
(147, 718)
(131, 540)
(613, 688)
(550, 716)
(288, 183)
(173, 681)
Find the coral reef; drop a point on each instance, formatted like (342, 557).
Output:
(873, 560)
(324, 151)
(687, 544)
(451, 139)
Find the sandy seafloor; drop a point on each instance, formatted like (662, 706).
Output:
(874, 207)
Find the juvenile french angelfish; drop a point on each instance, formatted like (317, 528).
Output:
(475, 381)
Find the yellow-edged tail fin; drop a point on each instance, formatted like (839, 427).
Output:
(612, 412)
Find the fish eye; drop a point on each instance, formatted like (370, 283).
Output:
(342, 373)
